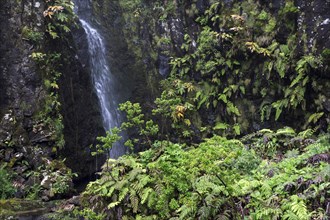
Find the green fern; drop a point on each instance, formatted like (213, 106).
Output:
(186, 212)
(145, 194)
(213, 180)
(296, 209)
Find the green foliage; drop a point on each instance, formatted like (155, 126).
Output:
(59, 16)
(58, 180)
(144, 130)
(289, 8)
(158, 181)
(326, 53)
(89, 214)
(7, 190)
(33, 192)
(296, 209)
(235, 57)
(107, 141)
(59, 175)
(219, 178)
(268, 143)
(50, 117)
(62, 183)
(135, 121)
(31, 35)
(240, 63)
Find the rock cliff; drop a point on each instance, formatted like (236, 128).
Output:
(43, 117)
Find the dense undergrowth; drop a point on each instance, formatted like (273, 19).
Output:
(251, 178)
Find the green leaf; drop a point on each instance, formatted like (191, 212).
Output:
(237, 129)
(122, 194)
(223, 97)
(220, 126)
(113, 204)
(242, 88)
(315, 117)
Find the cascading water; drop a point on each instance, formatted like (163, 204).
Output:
(104, 81)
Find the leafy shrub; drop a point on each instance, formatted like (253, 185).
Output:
(7, 190)
(236, 59)
(218, 179)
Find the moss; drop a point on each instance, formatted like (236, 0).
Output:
(19, 208)
(6, 188)
(31, 35)
(289, 8)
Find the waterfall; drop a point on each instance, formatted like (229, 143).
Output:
(105, 83)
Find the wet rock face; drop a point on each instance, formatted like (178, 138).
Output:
(163, 66)
(314, 21)
(82, 117)
(108, 19)
(164, 36)
(20, 85)
(24, 138)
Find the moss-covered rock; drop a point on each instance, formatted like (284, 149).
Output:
(17, 209)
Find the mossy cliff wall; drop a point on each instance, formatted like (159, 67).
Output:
(48, 109)
(21, 86)
(151, 32)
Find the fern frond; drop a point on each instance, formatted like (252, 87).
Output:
(134, 202)
(122, 194)
(286, 131)
(145, 194)
(120, 184)
(204, 212)
(133, 173)
(186, 211)
(113, 204)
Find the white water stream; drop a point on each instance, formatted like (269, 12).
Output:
(102, 77)
(105, 83)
